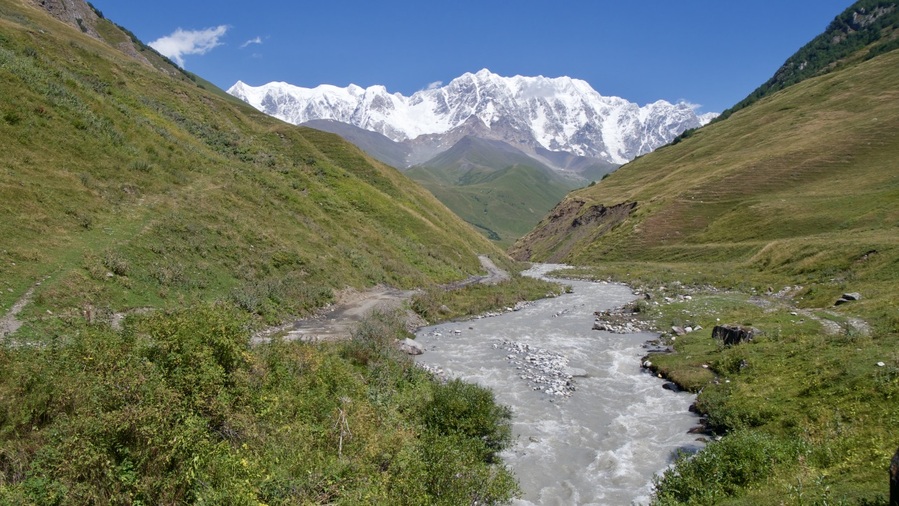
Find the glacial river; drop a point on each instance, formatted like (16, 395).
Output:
(598, 444)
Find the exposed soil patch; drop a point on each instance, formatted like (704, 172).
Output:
(10, 321)
(339, 320)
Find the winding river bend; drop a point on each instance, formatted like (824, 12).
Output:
(598, 439)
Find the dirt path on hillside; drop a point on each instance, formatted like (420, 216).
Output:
(338, 321)
(10, 321)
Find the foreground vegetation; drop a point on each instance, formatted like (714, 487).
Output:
(178, 409)
(147, 225)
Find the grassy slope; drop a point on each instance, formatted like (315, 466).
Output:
(122, 186)
(495, 188)
(800, 188)
(865, 29)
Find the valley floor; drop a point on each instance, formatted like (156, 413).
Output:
(340, 319)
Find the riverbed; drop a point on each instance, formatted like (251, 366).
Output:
(591, 426)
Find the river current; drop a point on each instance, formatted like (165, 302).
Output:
(597, 439)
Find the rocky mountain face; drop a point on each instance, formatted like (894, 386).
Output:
(561, 122)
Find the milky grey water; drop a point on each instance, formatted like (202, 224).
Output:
(602, 444)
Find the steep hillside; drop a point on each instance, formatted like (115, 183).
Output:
(862, 31)
(493, 186)
(147, 226)
(802, 182)
(782, 222)
(124, 186)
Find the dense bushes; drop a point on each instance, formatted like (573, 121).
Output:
(469, 411)
(179, 409)
(725, 467)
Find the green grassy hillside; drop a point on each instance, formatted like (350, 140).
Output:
(799, 186)
(126, 184)
(765, 219)
(123, 186)
(496, 188)
(864, 30)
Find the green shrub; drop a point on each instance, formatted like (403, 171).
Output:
(178, 409)
(470, 411)
(725, 468)
(373, 338)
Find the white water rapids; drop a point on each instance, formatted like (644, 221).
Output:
(603, 443)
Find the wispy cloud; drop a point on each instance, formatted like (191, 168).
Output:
(256, 40)
(435, 85)
(184, 42)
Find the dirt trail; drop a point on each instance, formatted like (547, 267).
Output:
(10, 323)
(339, 321)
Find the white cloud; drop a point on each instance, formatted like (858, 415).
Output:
(256, 40)
(185, 42)
(435, 85)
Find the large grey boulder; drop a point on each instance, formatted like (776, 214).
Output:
(848, 297)
(410, 346)
(733, 334)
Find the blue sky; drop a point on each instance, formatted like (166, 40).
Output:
(707, 52)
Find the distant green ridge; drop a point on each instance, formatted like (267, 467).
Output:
(493, 186)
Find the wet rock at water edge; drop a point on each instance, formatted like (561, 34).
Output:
(437, 372)
(621, 320)
(410, 346)
(671, 386)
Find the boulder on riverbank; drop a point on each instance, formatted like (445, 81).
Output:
(410, 346)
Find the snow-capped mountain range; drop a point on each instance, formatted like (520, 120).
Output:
(543, 117)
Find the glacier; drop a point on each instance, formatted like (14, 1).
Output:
(558, 114)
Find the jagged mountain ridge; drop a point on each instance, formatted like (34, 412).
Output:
(534, 114)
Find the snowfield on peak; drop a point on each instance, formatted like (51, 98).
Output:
(556, 114)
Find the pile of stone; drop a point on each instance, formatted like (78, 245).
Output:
(438, 372)
(623, 320)
(544, 370)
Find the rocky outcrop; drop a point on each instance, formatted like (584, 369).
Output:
(85, 17)
(74, 12)
(848, 297)
(410, 346)
(569, 223)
